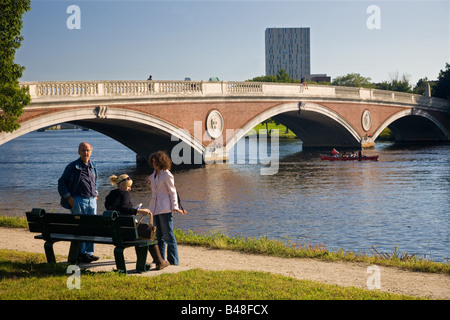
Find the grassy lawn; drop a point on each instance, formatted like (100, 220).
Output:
(26, 276)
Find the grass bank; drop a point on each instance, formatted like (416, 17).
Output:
(279, 248)
(266, 246)
(26, 276)
(283, 132)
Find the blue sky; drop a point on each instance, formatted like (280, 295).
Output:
(128, 40)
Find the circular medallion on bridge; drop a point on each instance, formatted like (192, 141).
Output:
(366, 120)
(214, 124)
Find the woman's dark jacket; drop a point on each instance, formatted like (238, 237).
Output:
(119, 200)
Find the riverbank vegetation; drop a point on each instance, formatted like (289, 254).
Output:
(26, 276)
(271, 127)
(13, 222)
(386, 135)
(268, 126)
(266, 246)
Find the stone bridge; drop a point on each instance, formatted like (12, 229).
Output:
(151, 115)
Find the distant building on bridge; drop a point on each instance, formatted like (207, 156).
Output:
(288, 49)
(319, 78)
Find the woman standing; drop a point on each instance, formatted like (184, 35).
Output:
(163, 204)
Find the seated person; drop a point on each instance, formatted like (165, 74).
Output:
(119, 200)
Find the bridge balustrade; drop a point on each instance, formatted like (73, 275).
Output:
(71, 90)
(347, 92)
(67, 88)
(127, 87)
(184, 87)
(382, 95)
(244, 87)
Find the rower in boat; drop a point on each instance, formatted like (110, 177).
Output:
(334, 153)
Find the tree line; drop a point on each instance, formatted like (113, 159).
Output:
(440, 88)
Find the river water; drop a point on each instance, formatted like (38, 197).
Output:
(401, 201)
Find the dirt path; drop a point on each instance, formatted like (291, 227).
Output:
(392, 280)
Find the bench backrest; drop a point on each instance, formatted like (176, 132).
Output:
(110, 225)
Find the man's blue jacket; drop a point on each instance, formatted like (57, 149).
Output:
(70, 178)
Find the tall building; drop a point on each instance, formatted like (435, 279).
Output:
(288, 49)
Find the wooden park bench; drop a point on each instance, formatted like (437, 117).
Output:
(109, 228)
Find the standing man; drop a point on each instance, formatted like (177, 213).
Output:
(78, 190)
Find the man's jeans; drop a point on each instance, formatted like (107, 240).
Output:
(83, 205)
(164, 234)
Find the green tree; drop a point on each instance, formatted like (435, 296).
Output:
(282, 76)
(442, 88)
(12, 97)
(353, 80)
(270, 78)
(396, 84)
(420, 86)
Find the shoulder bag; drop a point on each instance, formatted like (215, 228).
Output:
(146, 231)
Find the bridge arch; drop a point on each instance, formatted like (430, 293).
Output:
(414, 125)
(309, 121)
(141, 132)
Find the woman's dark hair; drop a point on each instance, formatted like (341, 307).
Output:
(162, 160)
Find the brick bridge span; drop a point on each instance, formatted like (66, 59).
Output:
(152, 115)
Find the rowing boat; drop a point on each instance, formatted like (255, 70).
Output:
(373, 158)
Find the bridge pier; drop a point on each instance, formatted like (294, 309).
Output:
(367, 143)
(215, 155)
(211, 155)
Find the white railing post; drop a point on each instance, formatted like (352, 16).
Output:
(156, 87)
(101, 89)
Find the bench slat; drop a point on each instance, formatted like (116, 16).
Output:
(68, 219)
(34, 226)
(94, 225)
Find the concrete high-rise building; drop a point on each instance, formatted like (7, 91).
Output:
(288, 49)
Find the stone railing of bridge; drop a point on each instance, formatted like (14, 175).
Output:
(51, 91)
